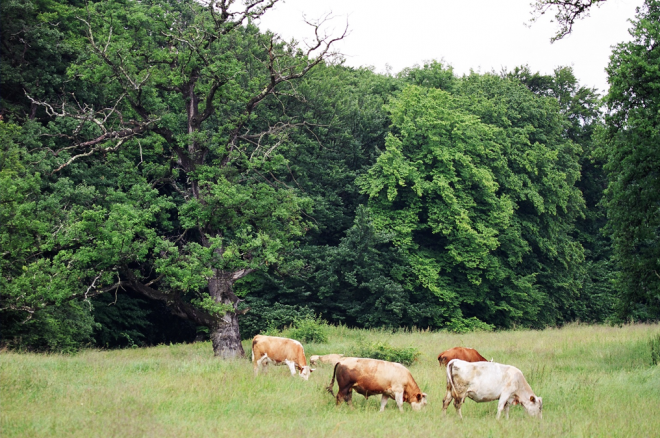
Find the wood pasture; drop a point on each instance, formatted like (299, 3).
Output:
(594, 380)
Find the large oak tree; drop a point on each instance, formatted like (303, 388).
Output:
(157, 173)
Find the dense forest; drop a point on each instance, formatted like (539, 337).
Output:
(168, 171)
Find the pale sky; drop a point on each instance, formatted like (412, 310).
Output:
(481, 35)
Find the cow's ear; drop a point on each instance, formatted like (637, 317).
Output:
(532, 399)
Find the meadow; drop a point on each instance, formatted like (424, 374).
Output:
(594, 380)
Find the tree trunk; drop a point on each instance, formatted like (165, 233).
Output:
(225, 335)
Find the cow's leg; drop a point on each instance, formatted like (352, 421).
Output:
(446, 400)
(383, 402)
(262, 363)
(399, 400)
(458, 403)
(344, 394)
(292, 366)
(506, 410)
(503, 405)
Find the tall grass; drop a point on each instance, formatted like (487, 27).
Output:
(594, 380)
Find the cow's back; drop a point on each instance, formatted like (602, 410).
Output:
(278, 349)
(372, 375)
(462, 353)
(485, 379)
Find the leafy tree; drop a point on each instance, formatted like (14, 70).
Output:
(175, 198)
(630, 149)
(40, 38)
(478, 190)
(543, 168)
(582, 108)
(346, 108)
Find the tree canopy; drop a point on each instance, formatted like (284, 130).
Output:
(169, 172)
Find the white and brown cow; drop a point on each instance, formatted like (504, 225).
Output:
(279, 351)
(371, 377)
(489, 381)
(331, 359)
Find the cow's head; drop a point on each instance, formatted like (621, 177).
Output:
(305, 372)
(418, 401)
(313, 359)
(534, 406)
(442, 360)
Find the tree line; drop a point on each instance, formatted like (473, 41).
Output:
(168, 171)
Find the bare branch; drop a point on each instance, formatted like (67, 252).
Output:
(278, 75)
(241, 273)
(567, 12)
(87, 154)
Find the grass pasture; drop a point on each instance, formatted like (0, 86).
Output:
(594, 380)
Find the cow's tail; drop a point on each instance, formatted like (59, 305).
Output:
(450, 378)
(332, 382)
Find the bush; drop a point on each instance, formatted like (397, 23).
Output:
(269, 319)
(462, 325)
(309, 329)
(384, 351)
(58, 329)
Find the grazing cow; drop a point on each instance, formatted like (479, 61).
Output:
(373, 376)
(328, 358)
(488, 381)
(462, 353)
(279, 351)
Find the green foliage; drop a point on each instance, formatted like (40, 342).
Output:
(478, 191)
(265, 318)
(432, 74)
(632, 159)
(425, 199)
(581, 106)
(119, 321)
(64, 329)
(467, 325)
(309, 329)
(173, 211)
(383, 351)
(40, 38)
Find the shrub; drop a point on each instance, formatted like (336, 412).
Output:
(309, 329)
(384, 351)
(269, 319)
(463, 325)
(60, 329)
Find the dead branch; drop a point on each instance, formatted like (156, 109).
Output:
(567, 13)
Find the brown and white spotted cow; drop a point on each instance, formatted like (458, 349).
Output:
(488, 381)
(371, 377)
(279, 351)
(331, 359)
(462, 353)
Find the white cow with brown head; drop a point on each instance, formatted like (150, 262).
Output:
(279, 351)
(373, 376)
(489, 381)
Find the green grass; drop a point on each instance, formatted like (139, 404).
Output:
(594, 380)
